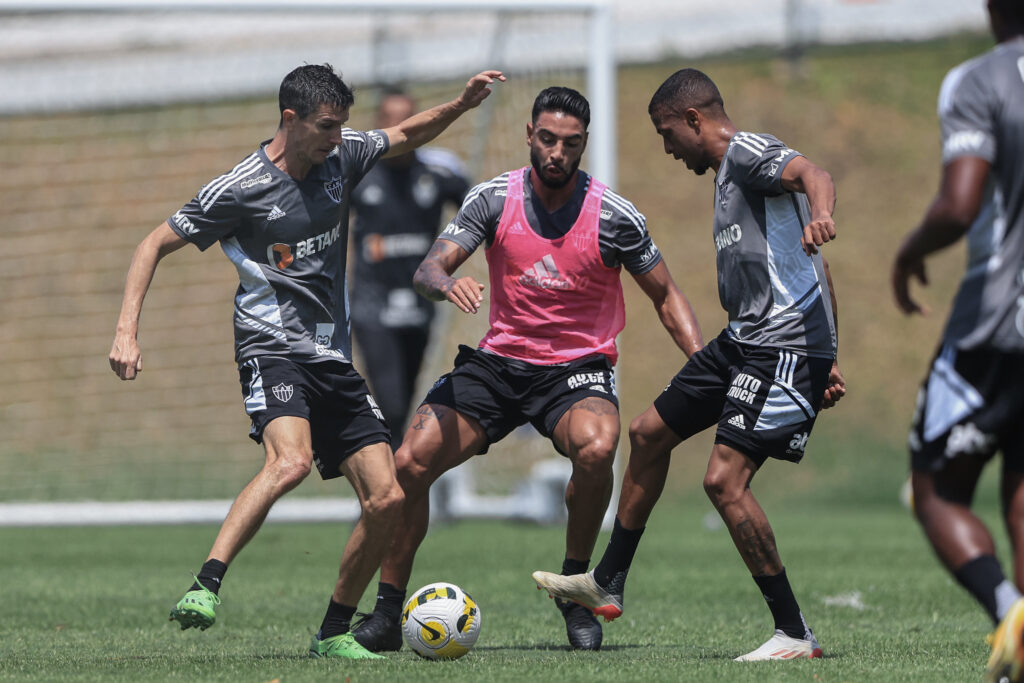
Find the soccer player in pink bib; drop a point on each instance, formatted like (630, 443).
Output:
(556, 241)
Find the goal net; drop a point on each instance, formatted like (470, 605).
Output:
(114, 115)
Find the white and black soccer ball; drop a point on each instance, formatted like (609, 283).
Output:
(440, 621)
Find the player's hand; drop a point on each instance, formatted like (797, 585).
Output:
(476, 88)
(125, 356)
(816, 233)
(902, 270)
(466, 293)
(835, 389)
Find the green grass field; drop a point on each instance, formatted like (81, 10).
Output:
(91, 604)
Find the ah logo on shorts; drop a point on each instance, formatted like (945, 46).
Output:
(283, 392)
(798, 443)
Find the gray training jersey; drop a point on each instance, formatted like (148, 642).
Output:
(622, 232)
(774, 293)
(981, 108)
(288, 240)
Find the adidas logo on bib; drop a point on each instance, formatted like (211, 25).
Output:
(737, 422)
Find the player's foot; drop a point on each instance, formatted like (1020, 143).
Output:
(781, 646)
(583, 629)
(377, 633)
(196, 609)
(1006, 663)
(582, 589)
(344, 646)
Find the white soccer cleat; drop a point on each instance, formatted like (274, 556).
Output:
(1006, 663)
(781, 646)
(581, 589)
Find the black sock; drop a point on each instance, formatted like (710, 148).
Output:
(981, 576)
(570, 567)
(390, 601)
(336, 621)
(210, 576)
(785, 610)
(617, 556)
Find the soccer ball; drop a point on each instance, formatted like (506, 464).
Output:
(440, 621)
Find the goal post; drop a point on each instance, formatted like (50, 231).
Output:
(114, 113)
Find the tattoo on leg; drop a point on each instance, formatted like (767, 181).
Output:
(757, 547)
(597, 406)
(426, 413)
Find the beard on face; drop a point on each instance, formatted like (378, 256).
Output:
(553, 183)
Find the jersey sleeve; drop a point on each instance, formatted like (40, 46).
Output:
(623, 236)
(361, 150)
(966, 106)
(477, 220)
(757, 161)
(211, 215)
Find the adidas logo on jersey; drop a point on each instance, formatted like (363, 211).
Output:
(544, 275)
(738, 422)
(275, 213)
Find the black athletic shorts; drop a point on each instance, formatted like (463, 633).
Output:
(970, 404)
(343, 417)
(503, 393)
(764, 399)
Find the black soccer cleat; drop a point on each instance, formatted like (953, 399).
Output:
(581, 626)
(377, 633)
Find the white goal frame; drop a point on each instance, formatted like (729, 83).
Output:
(539, 497)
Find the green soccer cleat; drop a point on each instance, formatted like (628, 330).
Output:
(196, 609)
(344, 646)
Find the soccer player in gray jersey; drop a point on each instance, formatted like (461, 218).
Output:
(556, 240)
(763, 380)
(971, 403)
(280, 216)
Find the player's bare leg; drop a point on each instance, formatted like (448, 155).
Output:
(588, 433)
(438, 439)
(727, 483)
(601, 590)
(1013, 517)
(289, 458)
(371, 471)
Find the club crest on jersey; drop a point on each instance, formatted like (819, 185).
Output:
(283, 392)
(280, 255)
(334, 188)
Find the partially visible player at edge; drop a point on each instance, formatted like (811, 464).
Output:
(767, 374)
(556, 241)
(281, 218)
(971, 403)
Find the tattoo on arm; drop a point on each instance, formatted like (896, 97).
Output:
(433, 277)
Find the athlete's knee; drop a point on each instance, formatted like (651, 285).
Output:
(723, 487)
(290, 468)
(594, 455)
(648, 432)
(385, 505)
(413, 474)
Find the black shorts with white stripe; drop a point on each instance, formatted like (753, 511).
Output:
(343, 416)
(763, 399)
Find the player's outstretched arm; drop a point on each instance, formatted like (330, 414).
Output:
(125, 355)
(800, 175)
(950, 216)
(673, 308)
(433, 278)
(423, 127)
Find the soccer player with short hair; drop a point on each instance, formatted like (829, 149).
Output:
(971, 403)
(281, 217)
(763, 379)
(556, 240)
(398, 207)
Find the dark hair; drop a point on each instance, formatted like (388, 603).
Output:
(309, 86)
(1011, 11)
(565, 100)
(684, 89)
